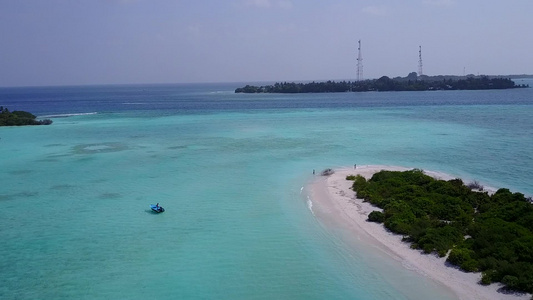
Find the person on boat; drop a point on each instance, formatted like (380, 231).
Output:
(157, 205)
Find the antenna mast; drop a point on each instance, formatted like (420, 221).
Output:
(420, 73)
(359, 63)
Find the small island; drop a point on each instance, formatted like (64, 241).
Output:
(412, 82)
(477, 231)
(19, 118)
(477, 241)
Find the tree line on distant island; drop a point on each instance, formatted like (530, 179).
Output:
(19, 118)
(410, 83)
(492, 234)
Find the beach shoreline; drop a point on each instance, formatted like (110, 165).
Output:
(334, 204)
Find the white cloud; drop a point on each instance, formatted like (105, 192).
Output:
(376, 10)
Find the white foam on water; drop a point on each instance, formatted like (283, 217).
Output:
(310, 205)
(68, 115)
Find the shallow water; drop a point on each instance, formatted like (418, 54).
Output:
(228, 169)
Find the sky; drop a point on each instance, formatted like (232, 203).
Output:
(84, 42)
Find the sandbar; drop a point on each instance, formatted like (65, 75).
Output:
(335, 204)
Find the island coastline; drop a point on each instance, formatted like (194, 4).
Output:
(385, 84)
(20, 118)
(335, 204)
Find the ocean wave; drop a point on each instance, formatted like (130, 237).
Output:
(135, 103)
(68, 115)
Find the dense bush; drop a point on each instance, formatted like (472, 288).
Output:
(488, 233)
(458, 256)
(376, 216)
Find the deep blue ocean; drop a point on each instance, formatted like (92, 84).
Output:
(228, 168)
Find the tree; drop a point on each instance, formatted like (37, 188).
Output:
(412, 76)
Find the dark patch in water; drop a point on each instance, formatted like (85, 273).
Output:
(62, 187)
(99, 148)
(20, 172)
(86, 158)
(177, 147)
(54, 145)
(47, 160)
(138, 136)
(100, 180)
(18, 195)
(110, 196)
(58, 155)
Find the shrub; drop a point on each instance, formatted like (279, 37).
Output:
(427, 248)
(486, 277)
(458, 256)
(510, 281)
(470, 266)
(376, 216)
(442, 252)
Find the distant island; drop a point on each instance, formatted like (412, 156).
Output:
(412, 82)
(20, 118)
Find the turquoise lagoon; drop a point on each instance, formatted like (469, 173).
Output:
(228, 168)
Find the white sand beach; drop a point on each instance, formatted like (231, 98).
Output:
(335, 204)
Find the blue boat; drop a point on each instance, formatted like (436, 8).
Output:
(156, 208)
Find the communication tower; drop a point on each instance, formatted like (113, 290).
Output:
(420, 73)
(359, 63)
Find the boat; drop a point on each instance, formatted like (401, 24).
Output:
(156, 208)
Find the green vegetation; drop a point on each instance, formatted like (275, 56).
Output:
(410, 83)
(492, 234)
(19, 118)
